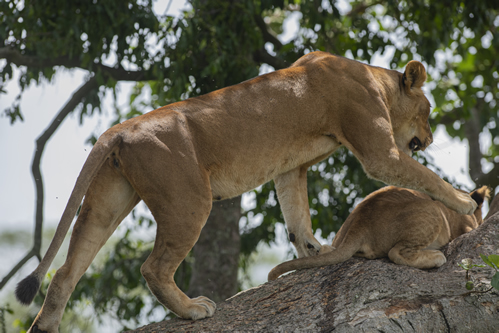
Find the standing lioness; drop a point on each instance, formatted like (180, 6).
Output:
(180, 157)
(405, 225)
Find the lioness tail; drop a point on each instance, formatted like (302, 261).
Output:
(26, 289)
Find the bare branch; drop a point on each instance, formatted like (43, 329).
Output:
(120, 74)
(77, 97)
(18, 266)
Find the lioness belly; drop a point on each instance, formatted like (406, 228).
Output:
(247, 172)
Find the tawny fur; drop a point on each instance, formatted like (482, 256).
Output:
(405, 225)
(180, 157)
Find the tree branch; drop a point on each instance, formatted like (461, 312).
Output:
(18, 266)
(77, 97)
(119, 74)
(472, 130)
(361, 8)
(267, 35)
(490, 179)
(493, 207)
(361, 295)
(263, 56)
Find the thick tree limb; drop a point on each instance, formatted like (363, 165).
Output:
(472, 130)
(493, 207)
(363, 295)
(77, 97)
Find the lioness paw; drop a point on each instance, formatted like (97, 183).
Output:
(306, 245)
(326, 249)
(201, 307)
(468, 205)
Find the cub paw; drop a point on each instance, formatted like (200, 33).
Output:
(201, 307)
(440, 260)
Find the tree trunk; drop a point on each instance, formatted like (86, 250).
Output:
(216, 253)
(363, 295)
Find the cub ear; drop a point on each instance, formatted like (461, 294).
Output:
(414, 75)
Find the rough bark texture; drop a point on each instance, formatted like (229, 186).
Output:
(216, 253)
(363, 295)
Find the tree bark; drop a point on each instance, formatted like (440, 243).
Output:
(363, 295)
(216, 253)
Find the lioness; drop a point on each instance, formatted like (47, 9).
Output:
(181, 157)
(405, 225)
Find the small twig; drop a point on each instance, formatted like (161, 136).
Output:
(477, 292)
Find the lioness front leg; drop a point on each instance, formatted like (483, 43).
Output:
(291, 190)
(384, 161)
(401, 170)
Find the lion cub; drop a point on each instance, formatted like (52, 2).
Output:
(405, 225)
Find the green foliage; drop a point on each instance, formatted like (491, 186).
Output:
(493, 261)
(3, 311)
(467, 265)
(460, 40)
(50, 33)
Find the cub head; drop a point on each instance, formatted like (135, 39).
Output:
(411, 110)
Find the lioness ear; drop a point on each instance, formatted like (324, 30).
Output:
(414, 76)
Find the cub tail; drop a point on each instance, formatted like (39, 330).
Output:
(344, 252)
(480, 195)
(26, 289)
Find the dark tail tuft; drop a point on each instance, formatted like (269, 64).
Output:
(26, 289)
(480, 195)
(477, 197)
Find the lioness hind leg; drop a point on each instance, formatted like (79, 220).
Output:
(180, 207)
(107, 202)
(178, 230)
(404, 254)
(176, 189)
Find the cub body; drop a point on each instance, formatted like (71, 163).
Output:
(405, 225)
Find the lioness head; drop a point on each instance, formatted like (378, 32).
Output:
(410, 113)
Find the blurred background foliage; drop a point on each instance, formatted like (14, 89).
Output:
(217, 43)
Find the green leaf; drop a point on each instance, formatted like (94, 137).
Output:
(495, 281)
(486, 260)
(494, 258)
